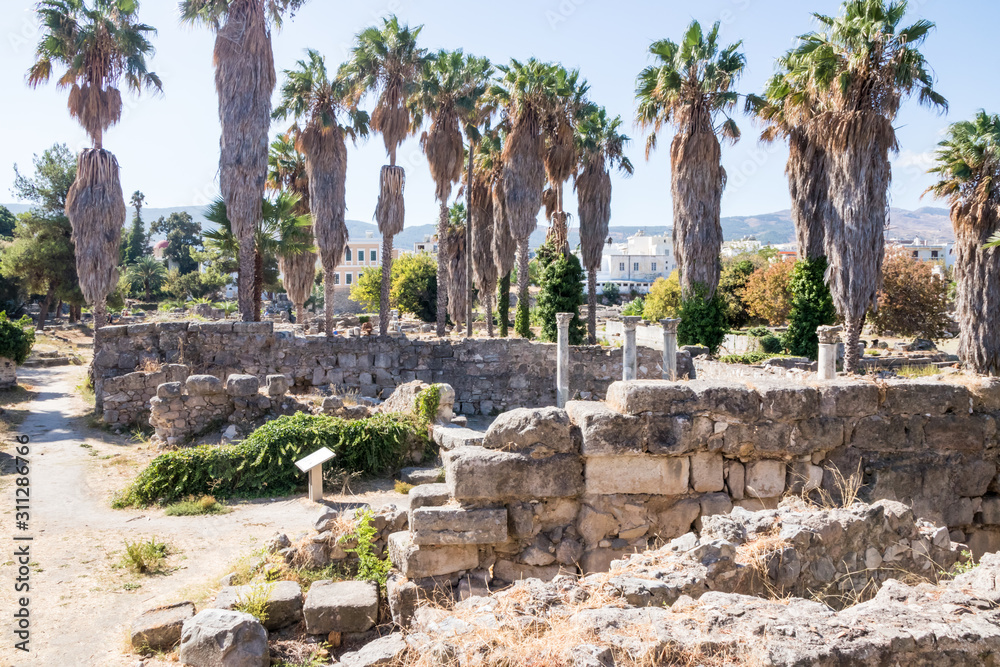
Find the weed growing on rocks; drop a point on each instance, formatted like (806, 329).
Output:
(145, 557)
(370, 566)
(194, 506)
(254, 601)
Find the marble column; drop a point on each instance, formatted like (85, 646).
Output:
(670, 348)
(829, 339)
(562, 358)
(630, 355)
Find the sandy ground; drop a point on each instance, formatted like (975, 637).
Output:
(81, 602)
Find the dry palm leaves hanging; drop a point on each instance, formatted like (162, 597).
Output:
(457, 272)
(809, 189)
(484, 265)
(95, 109)
(96, 209)
(390, 211)
(298, 273)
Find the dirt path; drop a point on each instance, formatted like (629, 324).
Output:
(81, 602)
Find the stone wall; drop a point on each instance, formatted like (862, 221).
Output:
(489, 375)
(548, 489)
(126, 398)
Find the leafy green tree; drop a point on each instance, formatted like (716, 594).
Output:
(136, 243)
(732, 288)
(196, 285)
(7, 221)
(812, 307)
(183, 236)
(16, 338)
(703, 321)
(634, 308)
(146, 274)
(664, 299)
(562, 292)
(611, 293)
(912, 300)
(414, 287)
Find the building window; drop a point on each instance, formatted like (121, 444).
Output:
(349, 277)
(652, 266)
(336, 279)
(373, 256)
(635, 266)
(347, 256)
(621, 267)
(934, 254)
(916, 254)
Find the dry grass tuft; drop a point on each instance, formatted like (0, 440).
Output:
(847, 488)
(149, 365)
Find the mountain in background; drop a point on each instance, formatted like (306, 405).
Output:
(928, 223)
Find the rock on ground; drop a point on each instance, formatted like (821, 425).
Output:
(344, 606)
(222, 638)
(284, 601)
(160, 629)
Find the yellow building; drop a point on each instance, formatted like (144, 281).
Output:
(359, 255)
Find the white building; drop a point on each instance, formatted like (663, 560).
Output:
(939, 253)
(748, 244)
(637, 263)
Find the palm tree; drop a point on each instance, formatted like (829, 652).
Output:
(322, 103)
(244, 81)
(486, 174)
(601, 147)
(280, 232)
(504, 243)
(456, 265)
(527, 93)
(561, 154)
(100, 45)
(969, 168)
(287, 171)
(387, 62)
(863, 66)
(450, 87)
(690, 86)
(146, 274)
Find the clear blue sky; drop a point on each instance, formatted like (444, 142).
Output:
(168, 145)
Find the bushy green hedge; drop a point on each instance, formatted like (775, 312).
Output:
(264, 463)
(749, 358)
(16, 338)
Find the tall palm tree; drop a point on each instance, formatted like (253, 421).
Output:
(690, 87)
(485, 174)
(244, 81)
(969, 168)
(504, 243)
(527, 93)
(450, 87)
(101, 45)
(561, 154)
(387, 63)
(601, 147)
(329, 116)
(863, 65)
(456, 265)
(147, 274)
(280, 232)
(287, 171)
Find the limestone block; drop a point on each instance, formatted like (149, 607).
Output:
(707, 472)
(384, 651)
(204, 385)
(677, 520)
(595, 526)
(524, 428)
(243, 385)
(506, 570)
(961, 432)
(804, 477)
(284, 601)
(476, 473)
(676, 434)
(403, 596)
(450, 436)
(816, 435)
(635, 397)
(599, 560)
(926, 397)
(657, 475)
(277, 385)
(341, 606)
(715, 503)
(605, 431)
(222, 638)
(418, 562)
(428, 495)
(848, 398)
(160, 629)
(789, 403)
(735, 479)
(765, 479)
(169, 390)
(454, 525)
(758, 504)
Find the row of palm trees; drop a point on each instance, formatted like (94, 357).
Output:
(520, 131)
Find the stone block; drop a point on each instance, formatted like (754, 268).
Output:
(416, 562)
(284, 601)
(169, 390)
(707, 473)
(341, 606)
(382, 652)
(926, 397)
(677, 519)
(675, 435)
(253, 327)
(222, 638)
(428, 495)
(635, 397)
(160, 629)
(476, 473)
(888, 433)
(789, 403)
(243, 385)
(735, 479)
(958, 432)
(605, 431)
(403, 597)
(204, 385)
(804, 477)
(525, 428)
(758, 504)
(715, 503)
(991, 511)
(816, 435)
(848, 398)
(277, 385)
(986, 395)
(657, 475)
(454, 525)
(448, 437)
(600, 559)
(595, 526)
(142, 329)
(510, 571)
(765, 479)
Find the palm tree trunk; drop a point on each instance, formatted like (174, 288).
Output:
(258, 283)
(852, 360)
(300, 310)
(503, 307)
(149, 292)
(442, 261)
(329, 293)
(383, 304)
(43, 310)
(100, 314)
(977, 277)
(592, 306)
(488, 305)
(521, 323)
(468, 250)
(245, 279)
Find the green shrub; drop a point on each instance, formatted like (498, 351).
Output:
(771, 344)
(144, 557)
(748, 358)
(562, 292)
(522, 320)
(16, 338)
(611, 293)
(703, 321)
(634, 308)
(264, 463)
(758, 332)
(370, 566)
(812, 307)
(254, 601)
(196, 506)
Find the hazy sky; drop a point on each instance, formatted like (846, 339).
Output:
(168, 145)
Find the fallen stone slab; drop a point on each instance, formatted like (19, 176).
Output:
(419, 476)
(428, 495)
(382, 651)
(454, 525)
(222, 638)
(160, 629)
(419, 562)
(342, 606)
(450, 437)
(283, 607)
